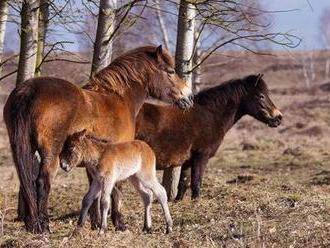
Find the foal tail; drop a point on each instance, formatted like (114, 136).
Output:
(18, 117)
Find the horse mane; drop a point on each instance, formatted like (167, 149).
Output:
(233, 90)
(135, 66)
(97, 140)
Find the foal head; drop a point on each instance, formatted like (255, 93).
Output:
(257, 102)
(73, 150)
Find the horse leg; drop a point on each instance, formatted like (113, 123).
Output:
(105, 203)
(48, 169)
(183, 182)
(116, 216)
(89, 198)
(94, 210)
(197, 171)
(160, 193)
(146, 196)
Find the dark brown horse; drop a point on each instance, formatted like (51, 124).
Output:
(42, 112)
(190, 138)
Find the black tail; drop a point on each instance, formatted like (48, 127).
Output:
(18, 118)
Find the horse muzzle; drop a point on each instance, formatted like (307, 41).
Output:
(65, 166)
(275, 121)
(185, 103)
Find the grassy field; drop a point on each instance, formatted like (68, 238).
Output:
(264, 188)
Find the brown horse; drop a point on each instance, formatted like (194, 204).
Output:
(190, 138)
(109, 163)
(42, 112)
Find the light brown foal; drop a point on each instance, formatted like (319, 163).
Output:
(110, 163)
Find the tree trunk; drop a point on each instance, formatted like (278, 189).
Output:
(105, 27)
(183, 61)
(3, 22)
(162, 25)
(42, 30)
(196, 60)
(29, 37)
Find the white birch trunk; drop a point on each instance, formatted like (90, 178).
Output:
(183, 60)
(162, 25)
(42, 30)
(197, 59)
(105, 27)
(3, 22)
(29, 38)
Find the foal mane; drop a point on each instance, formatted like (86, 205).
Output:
(135, 66)
(233, 90)
(97, 139)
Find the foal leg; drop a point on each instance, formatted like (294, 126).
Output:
(146, 196)
(116, 216)
(152, 183)
(94, 211)
(92, 194)
(183, 182)
(105, 203)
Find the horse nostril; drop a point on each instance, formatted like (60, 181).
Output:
(279, 117)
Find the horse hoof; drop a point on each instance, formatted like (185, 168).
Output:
(101, 232)
(95, 225)
(168, 230)
(121, 227)
(147, 230)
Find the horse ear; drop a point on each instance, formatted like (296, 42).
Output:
(259, 76)
(159, 51)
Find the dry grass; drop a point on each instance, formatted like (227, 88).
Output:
(264, 188)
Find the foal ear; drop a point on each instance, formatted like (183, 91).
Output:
(81, 134)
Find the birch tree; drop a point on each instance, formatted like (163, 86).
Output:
(42, 31)
(162, 25)
(183, 61)
(3, 20)
(103, 42)
(29, 40)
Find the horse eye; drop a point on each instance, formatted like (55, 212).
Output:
(171, 72)
(261, 97)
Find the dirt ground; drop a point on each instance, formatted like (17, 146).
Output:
(264, 188)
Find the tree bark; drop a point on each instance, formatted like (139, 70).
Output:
(3, 22)
(105, 27)
(183, 61)
(42, 30)
(196, 60)
(29, 38)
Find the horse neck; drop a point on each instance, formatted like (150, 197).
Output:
(92, 150)
(133, 92)
(225, 111)
(135, 97)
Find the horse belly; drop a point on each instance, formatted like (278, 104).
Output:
(128, 167)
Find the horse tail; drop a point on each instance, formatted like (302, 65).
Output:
(18, 119)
